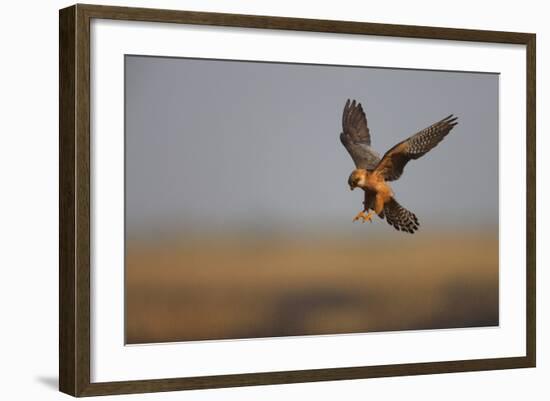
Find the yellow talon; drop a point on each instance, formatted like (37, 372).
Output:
(364, 217)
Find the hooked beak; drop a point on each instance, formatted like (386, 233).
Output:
(351, 187)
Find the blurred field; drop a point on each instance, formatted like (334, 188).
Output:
(227, 288)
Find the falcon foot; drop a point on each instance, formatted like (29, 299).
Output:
(365, 217)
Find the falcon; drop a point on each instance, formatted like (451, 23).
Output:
(373, 173)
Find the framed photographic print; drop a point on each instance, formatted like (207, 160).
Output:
(208, 234)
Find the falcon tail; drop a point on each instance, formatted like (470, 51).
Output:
(400, 218)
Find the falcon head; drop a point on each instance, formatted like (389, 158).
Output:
(357, 178)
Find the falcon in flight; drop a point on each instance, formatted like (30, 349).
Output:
(373, 173)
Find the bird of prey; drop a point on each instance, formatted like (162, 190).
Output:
(373, 173)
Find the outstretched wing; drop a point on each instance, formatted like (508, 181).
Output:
(394, 161)
(356, 137)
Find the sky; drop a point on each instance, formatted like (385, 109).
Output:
(236, 145)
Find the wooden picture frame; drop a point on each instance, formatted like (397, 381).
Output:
(74, 199)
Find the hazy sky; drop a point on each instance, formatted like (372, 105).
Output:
(222, 144)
